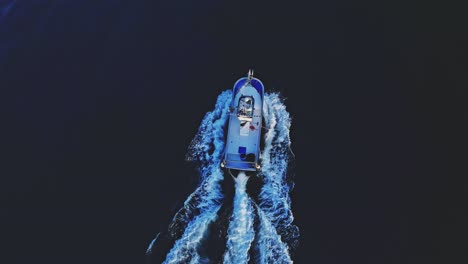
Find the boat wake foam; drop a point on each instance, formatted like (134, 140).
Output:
(259, 229)
(241, 230)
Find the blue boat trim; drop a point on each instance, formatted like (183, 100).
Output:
(256, 83)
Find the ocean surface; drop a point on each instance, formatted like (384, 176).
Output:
(101, 100)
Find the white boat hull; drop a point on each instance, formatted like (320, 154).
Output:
(245, 126)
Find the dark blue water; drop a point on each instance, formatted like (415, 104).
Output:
(99, 101)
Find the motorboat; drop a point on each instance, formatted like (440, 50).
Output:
(242, 149)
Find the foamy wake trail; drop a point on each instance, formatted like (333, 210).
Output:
(267, 227)
(207, 148)
(270, 248)
(241, 231)
(274, 199)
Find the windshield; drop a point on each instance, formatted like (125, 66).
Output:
(245, 106)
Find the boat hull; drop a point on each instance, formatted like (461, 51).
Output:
(242, 149)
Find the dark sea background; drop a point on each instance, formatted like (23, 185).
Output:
(99, 101)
